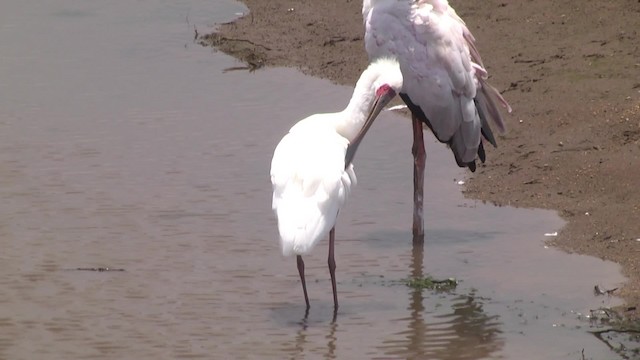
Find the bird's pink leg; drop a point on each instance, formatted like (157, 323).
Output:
(419, 157)
(304, 284)
(332, 267)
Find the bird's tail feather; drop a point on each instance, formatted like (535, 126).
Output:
(301, 226)
(485, 97)
(481, 106)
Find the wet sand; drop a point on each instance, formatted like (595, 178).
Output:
(569, 70)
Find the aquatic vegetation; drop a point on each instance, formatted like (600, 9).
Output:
(430, 283)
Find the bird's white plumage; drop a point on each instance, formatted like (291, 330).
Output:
(310, 183)
(440, 64)
(308, 173)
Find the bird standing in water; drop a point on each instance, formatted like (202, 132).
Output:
(312, 171)
(445, 81)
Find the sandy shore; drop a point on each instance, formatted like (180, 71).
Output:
(571, 72)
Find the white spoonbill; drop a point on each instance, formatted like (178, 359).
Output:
(311, 169)
(445, 82)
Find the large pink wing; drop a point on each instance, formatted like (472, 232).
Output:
(441, 66)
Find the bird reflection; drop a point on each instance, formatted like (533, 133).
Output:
(331, 339)
(417, 325)
(467, 332)
(301, 337)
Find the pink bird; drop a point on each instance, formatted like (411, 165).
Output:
(445, 81)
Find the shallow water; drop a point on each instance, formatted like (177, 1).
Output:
(124, 145)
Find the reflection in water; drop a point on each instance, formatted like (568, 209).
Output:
(623, 342)
(301, 338)
(416, 306)
(331, 340)
(466, 333)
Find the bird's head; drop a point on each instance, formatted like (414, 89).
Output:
(386, 72)
(386, 84)
(385, 81)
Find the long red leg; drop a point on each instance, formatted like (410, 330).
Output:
(419, 157)
(304, 284)
(332, 266)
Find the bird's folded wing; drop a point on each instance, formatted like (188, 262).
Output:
(310, 184)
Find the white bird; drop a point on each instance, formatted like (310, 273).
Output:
(445, 82)
(311, 170)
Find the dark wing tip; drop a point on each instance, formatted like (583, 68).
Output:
(481, 153)
(471, 165)
(481, 106)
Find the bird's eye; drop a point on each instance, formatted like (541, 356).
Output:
(385, 88)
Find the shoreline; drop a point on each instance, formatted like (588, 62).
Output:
(573, 140)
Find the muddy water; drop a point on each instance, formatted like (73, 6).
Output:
(123, 145)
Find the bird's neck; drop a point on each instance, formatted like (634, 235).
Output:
(353, 117)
